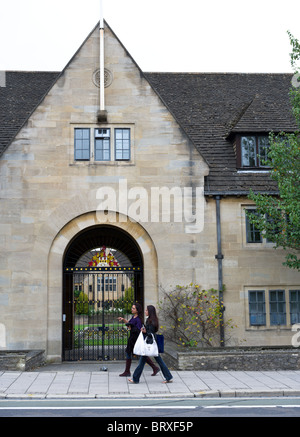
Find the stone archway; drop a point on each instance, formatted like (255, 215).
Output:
(60, 245)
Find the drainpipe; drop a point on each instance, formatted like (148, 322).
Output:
(220, 257)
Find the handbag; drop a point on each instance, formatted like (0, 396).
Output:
(142, 348)
(160, 343)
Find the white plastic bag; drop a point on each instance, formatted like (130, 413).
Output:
(142, 348)
(139, 345)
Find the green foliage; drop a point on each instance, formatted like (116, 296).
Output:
(128, 299)
(192, 317)
(295, 89)
(82, 304)
(278, 218)
(125, 303)
(76, 293)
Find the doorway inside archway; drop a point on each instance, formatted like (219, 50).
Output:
(102, 278)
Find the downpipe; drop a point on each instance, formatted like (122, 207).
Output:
(219, 257)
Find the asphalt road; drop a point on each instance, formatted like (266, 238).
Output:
(144, 412)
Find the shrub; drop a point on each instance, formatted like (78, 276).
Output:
(82, 304)
(192, 317)
(125, 303)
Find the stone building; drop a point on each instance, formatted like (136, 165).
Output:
(161, 174)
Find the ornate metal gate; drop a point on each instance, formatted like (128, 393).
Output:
(94, 298)
(102, 277)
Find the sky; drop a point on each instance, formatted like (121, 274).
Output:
(161, 35)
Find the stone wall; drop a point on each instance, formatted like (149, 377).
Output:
(21, 360)
(252, 358)
(47, 197)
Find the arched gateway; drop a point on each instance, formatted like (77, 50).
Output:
(102, 277)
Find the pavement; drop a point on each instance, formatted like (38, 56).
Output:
(86, 380)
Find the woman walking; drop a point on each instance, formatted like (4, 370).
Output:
(151, 328)
(135, 325)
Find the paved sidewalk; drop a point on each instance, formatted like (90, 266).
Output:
(87, 380)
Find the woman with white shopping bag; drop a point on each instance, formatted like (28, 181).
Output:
(134, 325)
(148, 345)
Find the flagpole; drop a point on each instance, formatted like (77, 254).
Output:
(102, 97)
(102, 113)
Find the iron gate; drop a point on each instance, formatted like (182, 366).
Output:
(94, 298)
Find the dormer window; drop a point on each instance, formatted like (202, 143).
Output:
(252, 151)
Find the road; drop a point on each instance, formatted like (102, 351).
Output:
(139, 411)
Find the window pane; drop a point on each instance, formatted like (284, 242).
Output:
(86, 144)
(85, 154)
(294, 295)
(253, 234)
(102, 150)
(78, 154)
(106, 155)
(260, 297)
(295, 306)
(263, 149)
(119, 144)
(248, 149)
(277, 307)
(78, 133)
(122, 144)
(126, 154)
(86, 134)
(257, 312)
(102, 144)
(82, 144)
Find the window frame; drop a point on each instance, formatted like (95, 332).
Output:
(76, 149)
(260, 316)
(102, 139)
(249, 227)
(123, 141)
(258, 155)
(264, 241)
(297, 302)
(93, 155)
(280, 313)
(277, 317)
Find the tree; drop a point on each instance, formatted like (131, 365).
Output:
(128, 300)
(278, 218)
(82, 304)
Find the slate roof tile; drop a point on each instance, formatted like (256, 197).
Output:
(210, 107)
(22, 93)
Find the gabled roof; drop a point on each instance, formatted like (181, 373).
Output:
(18, 99)
(211, 108)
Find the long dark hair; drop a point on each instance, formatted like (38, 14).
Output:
(152, 317)
(140, 311)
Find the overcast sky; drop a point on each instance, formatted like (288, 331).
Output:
(161, 35)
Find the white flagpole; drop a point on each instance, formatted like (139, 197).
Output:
(101, 15)
(102, 97)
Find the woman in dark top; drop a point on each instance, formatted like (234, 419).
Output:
(134, 325)
(151, 328)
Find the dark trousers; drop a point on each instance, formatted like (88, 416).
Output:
(138, 371)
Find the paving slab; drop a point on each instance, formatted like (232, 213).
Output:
(74, 380)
